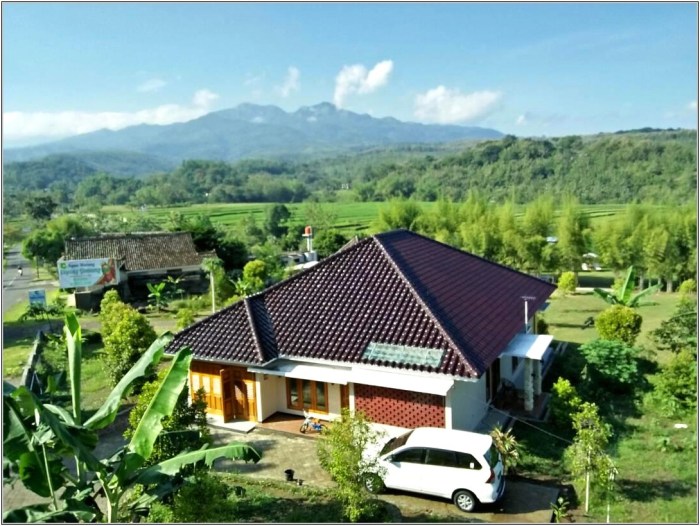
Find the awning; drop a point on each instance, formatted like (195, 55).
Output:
(405, 382)
(531, 346)
(319, 373)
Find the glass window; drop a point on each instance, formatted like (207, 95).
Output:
(321, 396)
(195, 382)
(395, 443)
(306, 392)
(217, 385)
(441, 457)
(465, 460)
(205, 383)
(293, 393)
(414, 456)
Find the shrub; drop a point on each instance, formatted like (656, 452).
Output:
(565, 402)
(567, 283)
(185, 318)
(611, 362)
(689, 286)
(676, 385)
(126, 335)
(680, 330)
(340, 453)
(541, 325)
(508, 447)
(619, 323)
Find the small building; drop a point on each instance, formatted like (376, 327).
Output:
(128, 262)
(411, 331)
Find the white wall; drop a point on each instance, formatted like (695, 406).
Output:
(272, 397)
(466, 404)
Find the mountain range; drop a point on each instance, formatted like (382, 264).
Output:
(246, 131)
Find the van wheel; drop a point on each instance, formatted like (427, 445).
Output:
(373, 483)
(465, 500)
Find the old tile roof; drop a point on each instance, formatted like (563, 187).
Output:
(395, 288)
(138, 251)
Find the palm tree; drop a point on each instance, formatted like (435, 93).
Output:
(210, 266)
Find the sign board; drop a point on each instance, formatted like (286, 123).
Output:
(77, 273)
(37, 296)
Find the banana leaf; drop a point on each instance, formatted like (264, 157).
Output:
(37, 513)
(75, 356)
(162, 404)
(163, 470)
(106, 414)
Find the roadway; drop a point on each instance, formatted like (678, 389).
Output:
(15, 288)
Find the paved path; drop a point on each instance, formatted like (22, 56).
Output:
(523, 502)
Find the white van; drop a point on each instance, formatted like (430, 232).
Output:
(457, 465)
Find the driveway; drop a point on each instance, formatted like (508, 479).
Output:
(523, 501)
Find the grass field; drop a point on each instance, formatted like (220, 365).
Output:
(657, 463)
(350, 217)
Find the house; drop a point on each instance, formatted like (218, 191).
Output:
(129, 262)
(409, 330)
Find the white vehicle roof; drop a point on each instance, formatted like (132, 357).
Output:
(456, 440)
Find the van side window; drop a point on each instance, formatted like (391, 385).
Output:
(441, 457)
(414, 456)
(465, 460)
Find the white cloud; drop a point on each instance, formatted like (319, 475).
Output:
(693, 105)
(291, 82)
(22, 125)
(151, 86)
(521, 120)
(356, 79)
(445, 106)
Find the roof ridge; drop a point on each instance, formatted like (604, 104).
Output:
(254, 328)
(421, 301)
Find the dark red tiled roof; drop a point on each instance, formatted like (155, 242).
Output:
(394, 288)
(139, 251)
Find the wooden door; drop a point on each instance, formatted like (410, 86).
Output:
(227, 394)
(344, 397)
(240, 399)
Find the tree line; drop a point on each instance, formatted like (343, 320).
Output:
(656, 166)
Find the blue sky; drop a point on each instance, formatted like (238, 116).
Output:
(529, 69)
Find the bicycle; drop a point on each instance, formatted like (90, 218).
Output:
(314, 424)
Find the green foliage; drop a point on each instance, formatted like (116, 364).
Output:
(328, 242)
(399, 213)
(509, 448)
(255, 274)
(184, 418)
(689, 286)
(184, 318)
(611, 362)
(126, 334)
(565, 402)
(619, 323)
(38, 438)
(680, 330)
(40, 207)
(560, 509)
(567, 283)
(156, 295)
(624, 294)
(275, 221)
(340, 451)
(676, 385)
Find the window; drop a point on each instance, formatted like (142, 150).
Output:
(414, 456)
(307, 394)
(441, 457)
(465, 460)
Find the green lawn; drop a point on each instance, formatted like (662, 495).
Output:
(14, 357)
(657, 480)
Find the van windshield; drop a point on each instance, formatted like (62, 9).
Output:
(395, 442)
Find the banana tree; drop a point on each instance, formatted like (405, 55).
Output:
(625, 294)
(37, 437)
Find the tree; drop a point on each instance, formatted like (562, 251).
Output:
(676, 385)
(611, 362)
(565, 402)
(625, 294)
(567, 283)
(40, 207)
(586, 456)
(275, 218)
(679, 332)
(328, 242)
(212, 266)
(126, 335)
(399, 213)
(37, 436)
(619, 323)
(340, 453)
(572, 229)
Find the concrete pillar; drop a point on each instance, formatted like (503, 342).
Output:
(538, 377)
(528, 385)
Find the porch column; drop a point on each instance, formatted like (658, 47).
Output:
(529, 399)
(538, 378)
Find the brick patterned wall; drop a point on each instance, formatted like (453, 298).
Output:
(400, 408)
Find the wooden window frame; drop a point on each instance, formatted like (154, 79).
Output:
(299, 385)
